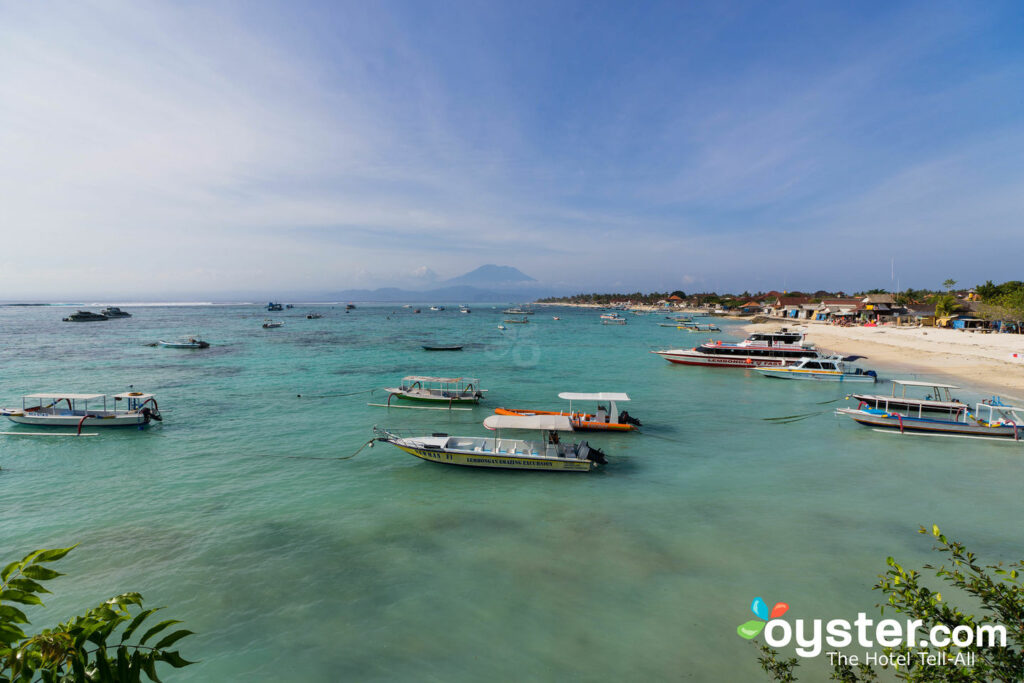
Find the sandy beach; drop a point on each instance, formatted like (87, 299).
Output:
(981, 359)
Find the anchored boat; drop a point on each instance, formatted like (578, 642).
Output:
(612, 319)
(437, 389)
(604, 418)
(185, 343)
(762, 349)
(549, 453)
(989, 420)
(821, 370)
(270, 324)
(131, 409)
(84, 317)
(115, 312)
(939, 400)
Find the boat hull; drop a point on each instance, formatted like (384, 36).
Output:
(496, 461)
(184, 345)
(815, 375)
(580, 421)
(433, 399)
(900, 423)
(120, 420)
(697, 358)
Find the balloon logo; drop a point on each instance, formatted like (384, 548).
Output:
(759, 607)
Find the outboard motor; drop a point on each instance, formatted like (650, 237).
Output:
(626, 418)
(150, 415)
(592, 454)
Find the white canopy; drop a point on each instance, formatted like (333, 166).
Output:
(602, 396)
(546, 422)
(73, 397)
(910, 383)
(134, 394)
(445, 380)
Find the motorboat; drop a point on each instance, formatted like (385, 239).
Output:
(185, 343)
(612, 319)
(442, 348)
(549, 453)
(437, 308)
(270, 324)
(516, 310)
(437, 389)
(939, 399)
(130, 409)
(521, 321)
(314, 316)
(464, 309)
(820, 370)
(555, 317)
(350, 307)
(271, 306)
(115, 312)
(502, 327)
(605, 418)
(989, 419)
(761, 349)
(289, 306)
(85, 317)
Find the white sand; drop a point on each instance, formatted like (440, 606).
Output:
(983, 360)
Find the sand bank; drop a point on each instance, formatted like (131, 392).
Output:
(981, 360)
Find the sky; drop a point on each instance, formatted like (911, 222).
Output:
(251, 148)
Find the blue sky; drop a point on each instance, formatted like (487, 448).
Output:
(200, 148)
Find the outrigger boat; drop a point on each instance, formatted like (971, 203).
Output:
(518, 322)
(699, 327)
(270, 324)
(603, 419)
(989, 420)
(939, 400)
(515, 310)
(821, 370)
(612, 319)
(437, 389)
(185, 343)
(73, 410)
(549, 453)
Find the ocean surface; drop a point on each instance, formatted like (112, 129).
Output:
(293, 565)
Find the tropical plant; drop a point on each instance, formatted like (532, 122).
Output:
(100, 645)
(949, 284)
(945, 304)
(996, 588)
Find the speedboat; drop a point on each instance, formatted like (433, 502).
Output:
(604, 418)
(131, 409)
(548, 454)
(939, 400)
(115, 312)
(185, 343)
(821, 370)
(270, 324)
(437, 308)
(761, 349)
(437, 389)
(84, 317)
(990, 419)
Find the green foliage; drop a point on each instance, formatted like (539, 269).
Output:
(996, 588)
(945, 304)
(949, 284)
(99, 645)
(1008, 296)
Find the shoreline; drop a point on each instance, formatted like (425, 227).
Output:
(978, 359)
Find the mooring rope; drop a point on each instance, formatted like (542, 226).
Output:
(315, 457)
(364, 391)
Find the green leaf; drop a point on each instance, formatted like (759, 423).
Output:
(136, 622)
(9, 633)
(52, 555)
(12, 615)
(34, 571)
(149, 666)
(167, 641)
(174, 659)
(935, 530)
(156, 629)
(27, 585)
(20, 596)
(8, 570)
(103, 665)
(122, 664)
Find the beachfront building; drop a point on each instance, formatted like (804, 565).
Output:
(791, 308)
(837, 310)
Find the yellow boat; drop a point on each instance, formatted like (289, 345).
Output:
(548, 454)
(607, 419)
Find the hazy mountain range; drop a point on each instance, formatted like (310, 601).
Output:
(486, 283)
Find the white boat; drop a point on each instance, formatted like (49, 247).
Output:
(502, 327)
(270, 324)
(185, 343)
(547, 454)
(761, 349)
(612, 319)
(437, 308)
(990, 420)
(130, 409)
(437, 389)
(821, 370)
(939, 399)
(516, 310)
(606, 417)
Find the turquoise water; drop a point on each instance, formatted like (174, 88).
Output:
(292, 565)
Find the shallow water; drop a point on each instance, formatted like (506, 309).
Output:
(292, 565)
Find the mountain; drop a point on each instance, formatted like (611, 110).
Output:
(491, 275)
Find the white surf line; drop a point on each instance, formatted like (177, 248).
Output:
(47, 434)
(385, 405)
(1004, 439)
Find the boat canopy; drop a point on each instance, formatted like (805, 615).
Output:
(551, 423)
(446, 380)
(73, 397)
(139, 396)
(930, 385)
(600, 396)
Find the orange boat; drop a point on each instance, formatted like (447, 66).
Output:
(605, 418)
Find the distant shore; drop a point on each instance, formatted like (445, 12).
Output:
(981, 359)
